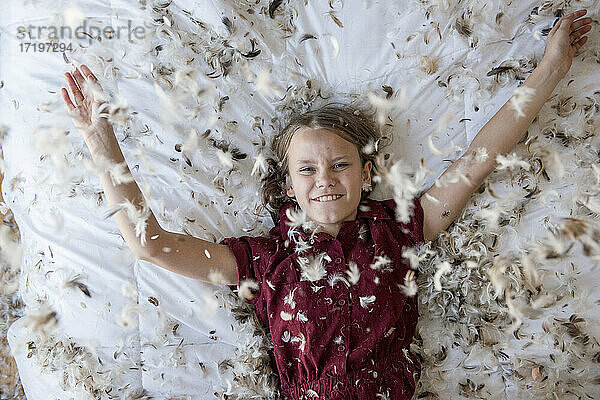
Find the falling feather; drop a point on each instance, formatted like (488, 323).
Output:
(260, 165)
(481, 154)
(118, 172)
(336, 47)
(217, 277)
(511, 161)
(522, 95)
(383, 105)
(74, 283)
(409, 288)
(225, 158)
(435, 150)
(245, 288)
(411, 254)
(442, 125)
(380, 262)
(398, 177)
(265, 85)
(72, 15)
(431, 198)
(43, 320)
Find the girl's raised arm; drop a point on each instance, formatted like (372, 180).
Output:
(186, 255)
(501, 133)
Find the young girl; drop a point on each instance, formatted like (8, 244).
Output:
(328, 276)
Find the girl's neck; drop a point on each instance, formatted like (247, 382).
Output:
(334, 228)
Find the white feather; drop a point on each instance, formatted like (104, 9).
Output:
(301, 316)
(289, 298)
(443, 268)
(245, 286)
(286, 316)
(260, 165)
(337, 277)
(410, 288)
(366, 301)
(353, 272)
(443, 122)
(313, 267)
(511, 161)
(522, 95)
(225, 158)
(380, 262)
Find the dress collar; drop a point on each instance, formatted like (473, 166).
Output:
(367, 210)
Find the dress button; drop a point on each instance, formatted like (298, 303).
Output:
(341, 347)
(338, 260)
(341, 302)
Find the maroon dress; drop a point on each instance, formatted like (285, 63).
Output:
(340, 342)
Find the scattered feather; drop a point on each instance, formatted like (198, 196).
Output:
(353, 273)
(522, 95)
(442, 269)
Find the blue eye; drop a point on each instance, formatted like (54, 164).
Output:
(335, 166)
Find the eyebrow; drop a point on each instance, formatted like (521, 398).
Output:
(309, 161)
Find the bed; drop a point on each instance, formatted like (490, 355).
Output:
(198, 89)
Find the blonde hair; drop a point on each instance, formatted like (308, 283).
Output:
(351, 122)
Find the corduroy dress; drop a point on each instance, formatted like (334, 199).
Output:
(346, 341)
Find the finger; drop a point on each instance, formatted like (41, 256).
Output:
(67, 99)
(580, 43)
(576, 14)
(574, 36)
(88, 73)
(79, 78)
(568, 19)
(83, 83)
(581, 23)
(74, 89)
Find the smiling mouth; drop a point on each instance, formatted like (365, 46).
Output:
(327, 199)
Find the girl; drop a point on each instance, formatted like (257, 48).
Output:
(326, 278)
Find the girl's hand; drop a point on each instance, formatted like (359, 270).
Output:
(565, 39)
(89, 98)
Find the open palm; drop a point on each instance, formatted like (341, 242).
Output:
(565, 39)
(88, 100)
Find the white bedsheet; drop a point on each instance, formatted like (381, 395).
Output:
(64, 234)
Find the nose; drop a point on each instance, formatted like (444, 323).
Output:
(325, 179)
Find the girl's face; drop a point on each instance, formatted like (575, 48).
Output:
(322, 163)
